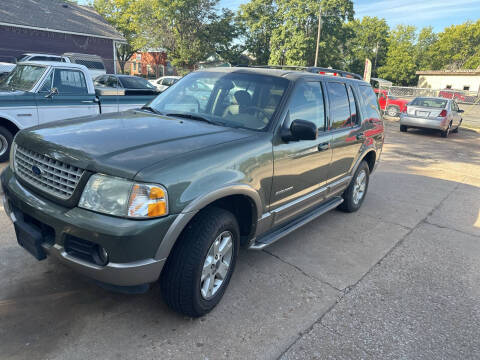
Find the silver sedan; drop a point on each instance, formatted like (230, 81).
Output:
(432, 113)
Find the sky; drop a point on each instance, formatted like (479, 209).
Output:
(436, 13)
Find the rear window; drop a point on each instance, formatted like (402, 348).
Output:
(432, 103)
(135, 83)
(370, 100)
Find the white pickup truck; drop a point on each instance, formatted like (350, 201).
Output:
(35, 93)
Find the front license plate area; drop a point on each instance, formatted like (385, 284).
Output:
(30, 238)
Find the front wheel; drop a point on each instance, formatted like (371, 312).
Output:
(201, 264)
(355, 193)
(6, 139)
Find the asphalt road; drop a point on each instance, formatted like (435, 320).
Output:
(400, 279)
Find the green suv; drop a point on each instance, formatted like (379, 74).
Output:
(225, 157)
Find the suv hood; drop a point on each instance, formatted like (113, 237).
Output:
(122, 144)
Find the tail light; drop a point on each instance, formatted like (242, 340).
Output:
(443, 113)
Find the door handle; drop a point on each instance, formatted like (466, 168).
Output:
(361, 136)
(324, 146)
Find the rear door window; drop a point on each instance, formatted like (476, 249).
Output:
(339, 105)
(354, 114)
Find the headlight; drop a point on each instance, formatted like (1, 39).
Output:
(120, 197)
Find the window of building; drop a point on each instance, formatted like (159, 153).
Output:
(139, 57)
(448, 86)
(134, 66)
(466, 88)
(339, 105)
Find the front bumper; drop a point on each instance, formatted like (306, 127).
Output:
(436, 124)
(131, 244)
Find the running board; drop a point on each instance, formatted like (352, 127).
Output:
(274, 236)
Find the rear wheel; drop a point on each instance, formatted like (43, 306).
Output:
(446, 132)
(201, 264)
(355, 193)
(403, 128)
(393, 111)
(456, 129)
(6, 138)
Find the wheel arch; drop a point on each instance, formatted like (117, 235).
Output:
(242, 200)
(9, 124)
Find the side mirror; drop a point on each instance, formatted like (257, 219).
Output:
(301, 130)
(460, 111)
(53, 91)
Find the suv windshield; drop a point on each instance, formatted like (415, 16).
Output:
(433, 103)
(23, 77)
(234, 99)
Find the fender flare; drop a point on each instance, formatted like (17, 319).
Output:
(361, 157)
(198, 204)
(8, 118)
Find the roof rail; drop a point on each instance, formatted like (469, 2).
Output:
(312, 69)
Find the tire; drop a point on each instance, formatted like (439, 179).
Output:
(445, 133)
(403, 128)
(350, 203)
(181, 280)
(392, 111)
(457, 128)
(6, 139)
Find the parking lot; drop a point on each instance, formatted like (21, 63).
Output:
(398, 279)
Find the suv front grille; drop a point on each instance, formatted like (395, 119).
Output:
(47, 174)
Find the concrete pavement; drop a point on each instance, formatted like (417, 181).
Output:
(398, 279)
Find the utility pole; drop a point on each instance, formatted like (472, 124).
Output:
(318, 32)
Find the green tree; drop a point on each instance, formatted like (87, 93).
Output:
(370, 41)
(256, 21)
(400, 63)
(125, 16)
(293, 41)
(458, 46)
(426, 39)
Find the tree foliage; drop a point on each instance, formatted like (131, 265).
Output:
(370, 40)
(293, 41)
(400, 63)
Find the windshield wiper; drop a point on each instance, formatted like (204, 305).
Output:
(193, 117)
(151, 109)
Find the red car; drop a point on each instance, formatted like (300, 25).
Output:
(391, 105)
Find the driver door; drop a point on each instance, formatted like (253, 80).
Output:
(301, 167)
(72, 99)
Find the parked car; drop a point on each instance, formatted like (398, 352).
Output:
(432, 113)
(93, 63)
(172, 190)
(131, 84)
(164, 82)
(391, 105)
(41, 92)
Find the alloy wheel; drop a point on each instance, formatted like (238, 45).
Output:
(359, 186)
(216, 265)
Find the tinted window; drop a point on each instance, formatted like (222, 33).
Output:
(133, 82)
(370, 101)
(339, 105)
(307, 104)
(90, 64)
(353, 106)
(69, 82)
(112, 82)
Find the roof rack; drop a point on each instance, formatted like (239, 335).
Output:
(312, 69)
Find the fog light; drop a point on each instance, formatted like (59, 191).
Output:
(102, 256)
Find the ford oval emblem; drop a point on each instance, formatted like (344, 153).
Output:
(36, 170)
